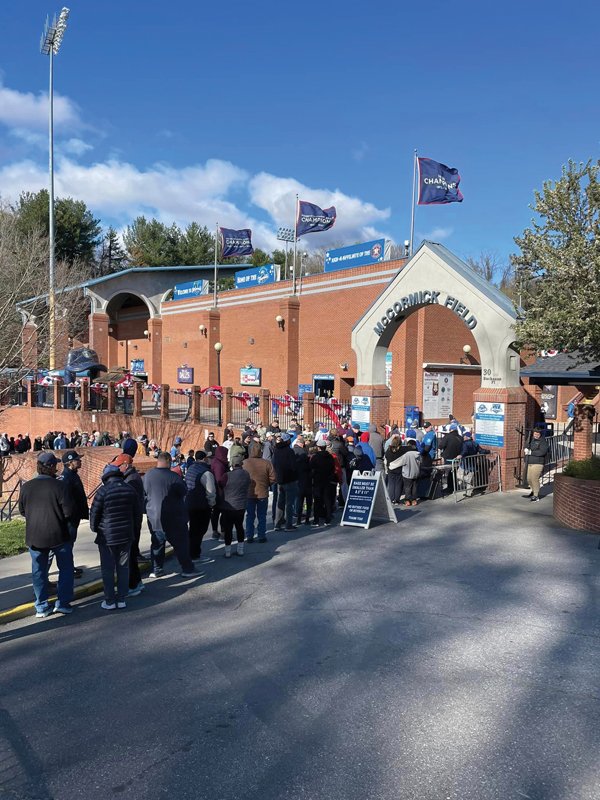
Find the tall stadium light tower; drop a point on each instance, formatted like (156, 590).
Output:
(50, 43)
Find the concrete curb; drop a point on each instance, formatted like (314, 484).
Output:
(81, 591)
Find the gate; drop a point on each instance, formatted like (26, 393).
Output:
(560, 452)
(478, 474)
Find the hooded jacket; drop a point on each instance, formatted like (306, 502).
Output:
(201, 487)
(235, 492)
(219, 466)
(261, 472)
(410, 463)
(114, 510)
(284, 463)
(134, 479)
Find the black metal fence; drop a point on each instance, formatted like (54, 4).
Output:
(43, 396)
(323, 410)
(180, 406)
(560, 452)
(244, 408)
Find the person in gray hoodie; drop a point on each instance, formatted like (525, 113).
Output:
(376, 441)
(410, 463)
(235, 497)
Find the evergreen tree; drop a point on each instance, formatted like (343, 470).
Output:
(111, 255)
(152, 244)
(559, 264)
(197, 246)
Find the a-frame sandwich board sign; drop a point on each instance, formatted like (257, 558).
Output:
(368, 500)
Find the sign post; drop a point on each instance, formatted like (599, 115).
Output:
(367, 500)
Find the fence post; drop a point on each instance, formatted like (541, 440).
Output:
(137, 399)
(58, 389)
(85, 394)
(227, 404)
(265, 407)
(308, 410)
(196, 404)
(111, 399)
(164, 401)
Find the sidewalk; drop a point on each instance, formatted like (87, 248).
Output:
(16, 593)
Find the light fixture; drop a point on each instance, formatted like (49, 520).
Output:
(464, 359)
(406, 248)
(344, 366)
(250, 340)
(218, 347)
(110, 330)
(280, 321)
(203, 330)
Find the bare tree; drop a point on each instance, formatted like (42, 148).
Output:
(494, 270)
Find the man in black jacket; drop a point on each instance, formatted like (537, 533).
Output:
(45, 506)
(200, 500)
(133, 478)
(77, 498)
(536, 452)
(112, 519)
(322, 469)
(286, 471)
(450, 449)
(167, 516)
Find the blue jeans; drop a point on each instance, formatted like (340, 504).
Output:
(286, 503)
(256, 507)
(40, 560)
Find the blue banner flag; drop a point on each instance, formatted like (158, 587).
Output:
(438, 184)
(236, 243)
(255, 276)
(312, 219)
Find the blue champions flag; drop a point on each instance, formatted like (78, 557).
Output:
(236, 243)
(438, 184)
(312, 219)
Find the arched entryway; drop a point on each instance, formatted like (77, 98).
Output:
(128, 333)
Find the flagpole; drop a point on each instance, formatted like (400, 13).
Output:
(412, 211)
(295, 245)
(216, 254)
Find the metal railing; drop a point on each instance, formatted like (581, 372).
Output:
(478, 474)
(284, 409)
(243, 409)
(98, 400)
(560, 452)
(180, 406)
(11, 503)
(150, 403)
(321, 415)
(43, 396)
(123, 400)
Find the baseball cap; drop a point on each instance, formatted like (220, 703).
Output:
(122, 458)
(178, 440)
(69, 456)
(427, 424)
(200, 455)
(47, 459)
(322, 443)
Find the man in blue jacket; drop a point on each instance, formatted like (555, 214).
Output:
(167, 516)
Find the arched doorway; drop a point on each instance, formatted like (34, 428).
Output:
(128, 333)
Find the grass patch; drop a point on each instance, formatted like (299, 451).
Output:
(12, 538)
(588, 470)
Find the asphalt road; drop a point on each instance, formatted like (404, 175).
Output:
(453, 656)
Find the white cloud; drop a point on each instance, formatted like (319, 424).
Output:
(27, 110)
(436, 234)
(75, 146)
(360, 152)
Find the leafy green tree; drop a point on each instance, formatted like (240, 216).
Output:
(152, 243)
(77, 231)
(196, 246)
(111, 255)
(559, 264)
(259, 258)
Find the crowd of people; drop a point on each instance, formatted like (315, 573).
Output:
(225, 487)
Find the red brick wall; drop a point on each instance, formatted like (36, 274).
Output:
(577, 503)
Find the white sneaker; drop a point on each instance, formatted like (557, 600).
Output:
(240, 549)
(121, 604)
(108, 606)
(227, 552)
(158, 573)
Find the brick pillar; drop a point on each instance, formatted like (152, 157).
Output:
(164, 401)
(288, 338)
(111, 397)
(85, 394)
(380, 402)
(308, 410)
(137, 399)
(154, 369)
(264, 400)
(227, 404)
(99, 335)
(583, 437)
(212, 320)
(29, 345)
(515, 404)
(196, 405)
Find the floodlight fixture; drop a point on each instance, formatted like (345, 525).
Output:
(52, 34)
(285, 235)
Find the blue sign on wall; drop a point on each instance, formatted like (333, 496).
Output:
(184, 291)
(255, 276)
(356, 255)
(185, 374)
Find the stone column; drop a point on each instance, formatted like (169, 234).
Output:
(85, 394)
(583, 436)
(515, 404)
(308, 410)
(289, 334)
(196, 405)
(58, 393)
(380, 402)
(155, 341)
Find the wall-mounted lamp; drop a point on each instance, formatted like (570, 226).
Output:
(344, 366)
(250, 340)
(147, 335)
(203, 330)
(110, 330)
(280, 321)
(464, 359)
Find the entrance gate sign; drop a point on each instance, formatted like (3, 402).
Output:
(367, 500)
(424, 298)
(489, 424)
(361, 411)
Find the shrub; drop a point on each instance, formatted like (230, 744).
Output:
(588, 470)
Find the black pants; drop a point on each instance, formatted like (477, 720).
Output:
(214, 518)
(322, 498)
(199, 521)
(134, 569)
(229, 519)
(395, 486)
(305, 496)
(410, 488)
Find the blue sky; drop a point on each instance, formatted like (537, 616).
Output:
(195, 111)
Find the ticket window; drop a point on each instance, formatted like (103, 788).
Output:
(323, 387)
